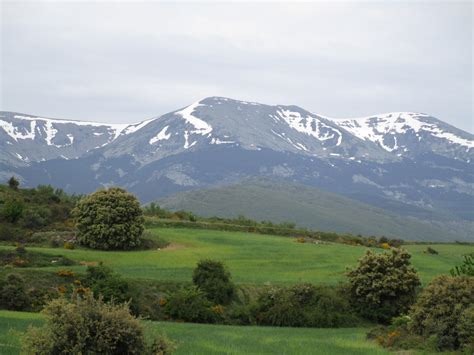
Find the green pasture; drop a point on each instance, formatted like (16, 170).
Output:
(251, 258)
(220, 339)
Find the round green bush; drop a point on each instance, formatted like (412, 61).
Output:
(189, 304)
(444, 312)
(384, 285)
(109, 219)
(213, 278)
(86, 325)
(13, 293)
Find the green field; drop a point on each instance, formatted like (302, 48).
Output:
(219, 339)
(251, 258)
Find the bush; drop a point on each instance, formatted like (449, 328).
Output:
(86, 325)
(304, 305)
(431, 251)
(189, 304)
(13, 293)
(383, 285)
(214, 279)
(466, 268)
(109, 285)
(466, 330)
(109, 219)
(35, 217)
(12, 210)
(444, 311)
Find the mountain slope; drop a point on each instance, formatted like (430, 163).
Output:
(25, 139)
(409, 164)
(308, 207)
(220, 121)
(410, 134)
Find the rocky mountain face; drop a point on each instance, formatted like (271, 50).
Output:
(408, 163)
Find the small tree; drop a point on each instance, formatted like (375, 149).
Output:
(214, 279)
(383, 285)
(86, 325)
(444, 312)
(13, 183)
(109, 219)
(466, 268)
(12, 210)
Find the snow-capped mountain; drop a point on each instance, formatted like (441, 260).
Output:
(410, 134)
(220, 121)
(408, 163)
(26, 139)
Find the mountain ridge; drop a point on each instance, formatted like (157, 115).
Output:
(425, 173)
(311, 126)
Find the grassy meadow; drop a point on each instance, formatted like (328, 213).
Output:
(220, 339)
(251, 258)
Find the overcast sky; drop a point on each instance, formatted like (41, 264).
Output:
(125, 62)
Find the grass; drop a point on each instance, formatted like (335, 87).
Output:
(251, 258)
(218, 339)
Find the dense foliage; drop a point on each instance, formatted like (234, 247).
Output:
(109, 285)
(189, 304)
(13, 293)
(466, 268)
(304, 305)
(444, 311)
(86, 325)
(383, 285)
(109, 219)
(24, 212)
(214, 279)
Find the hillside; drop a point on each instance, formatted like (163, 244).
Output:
(280, 201)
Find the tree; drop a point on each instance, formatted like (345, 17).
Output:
(444, 312)
(214, 279)
(12, 210)
(383, 285)
(86, 325)
(109, 219)
(13, 183)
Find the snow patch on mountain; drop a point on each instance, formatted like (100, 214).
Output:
(50, 132)
(310, 125)
(128, 129)
(375, 128)
(162, 135)
(18, 132)
(201, 127)
(186, 141)
(218, 141)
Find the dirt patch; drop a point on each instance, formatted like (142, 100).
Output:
(173, 246)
